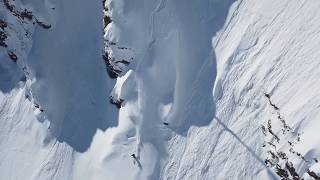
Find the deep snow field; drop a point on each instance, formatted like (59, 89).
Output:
(211, 89)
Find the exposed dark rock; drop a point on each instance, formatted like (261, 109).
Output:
(271, 144)
(26, 14)
(123, 48)
(3, 35)
(13, 56)
(263, 129)
(284, 124)
(36, 105)
(274, 157)
(313, 174)
(268, 162)
(117, 102)
(3, 24)
(298, 138)
(110, 43)
(106, 20)
(282, 155)
(43, 25)
(282, 173)
(3, 38)
(292, 171)
(277, 158)
(271, 132)
(8, 5)
(112, 72)
(267, 95)
(273, 105)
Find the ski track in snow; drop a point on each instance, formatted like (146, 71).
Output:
(200, 66)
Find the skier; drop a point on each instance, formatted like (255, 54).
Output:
(135, 159)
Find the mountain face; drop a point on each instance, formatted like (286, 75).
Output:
(159, 89)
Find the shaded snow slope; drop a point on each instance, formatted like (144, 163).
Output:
(55, 97)
(72, 86)
(174, 70)
(212, 89)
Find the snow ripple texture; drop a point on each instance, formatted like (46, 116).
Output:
(205, 77)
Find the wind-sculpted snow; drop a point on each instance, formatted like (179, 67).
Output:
(265, 47)
(181, 90)
(174, 67)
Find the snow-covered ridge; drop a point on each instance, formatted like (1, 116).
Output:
(171, 89)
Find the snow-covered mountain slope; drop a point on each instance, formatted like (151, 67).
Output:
(55, 96)
(207, 89)
(265, 47)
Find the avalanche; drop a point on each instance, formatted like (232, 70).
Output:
(159, 89)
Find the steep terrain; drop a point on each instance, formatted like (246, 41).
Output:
(159, 89)
(54, 97)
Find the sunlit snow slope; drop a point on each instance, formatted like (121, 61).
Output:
(212, 90)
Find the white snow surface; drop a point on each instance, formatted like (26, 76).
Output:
(194, 90)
